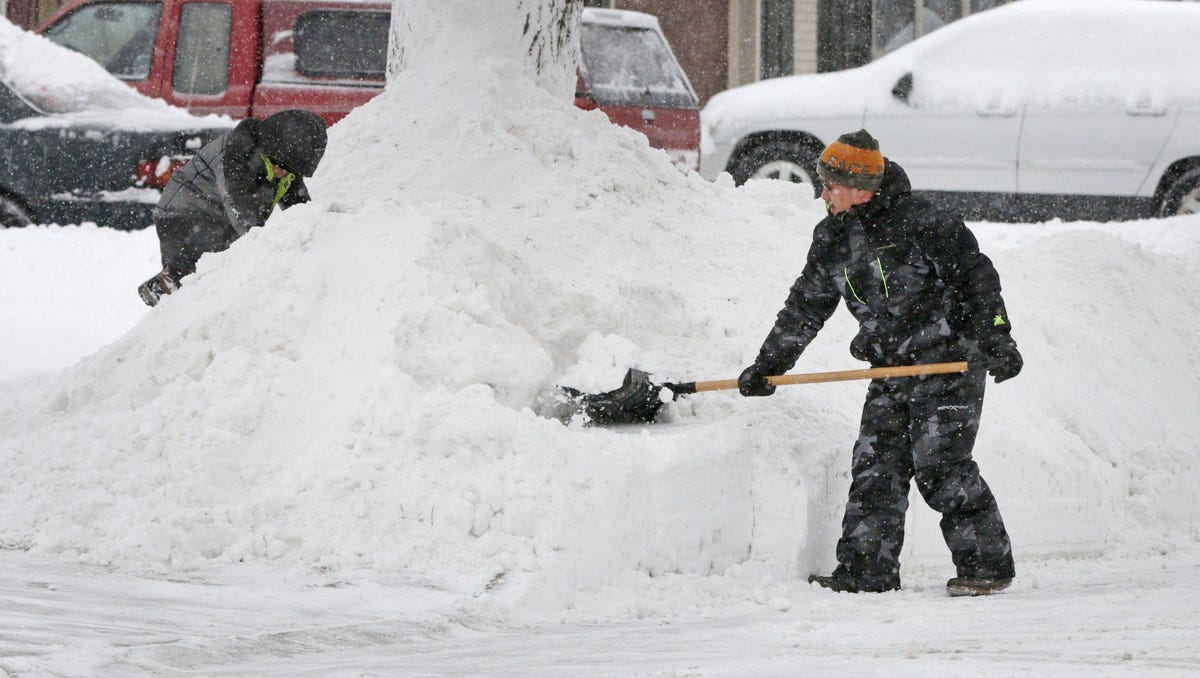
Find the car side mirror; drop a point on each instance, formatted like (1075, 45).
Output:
(585, 101)
(903, 87)
(583, 94)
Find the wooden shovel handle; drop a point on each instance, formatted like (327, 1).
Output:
(843, 375)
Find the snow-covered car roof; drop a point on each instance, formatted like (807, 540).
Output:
(619, 17)
(70, 88)
(1095, 49)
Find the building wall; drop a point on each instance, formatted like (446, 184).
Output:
(44, 9)
(806, 36)
(742, 42)
(20, 12)
(30, 13)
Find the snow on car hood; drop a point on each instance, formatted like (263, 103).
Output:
(72, 89)
(763, 104)
(1102, 52)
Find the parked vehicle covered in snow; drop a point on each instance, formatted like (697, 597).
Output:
(77, 145)
(1030, 110)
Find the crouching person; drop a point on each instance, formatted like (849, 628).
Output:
(230, 186)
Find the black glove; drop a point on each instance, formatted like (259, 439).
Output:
(1004, 360)
(753, 381)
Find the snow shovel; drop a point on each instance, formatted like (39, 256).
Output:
(638, 400)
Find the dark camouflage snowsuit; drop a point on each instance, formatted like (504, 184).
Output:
(922, 292)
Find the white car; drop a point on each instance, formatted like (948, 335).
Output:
(1035, 109)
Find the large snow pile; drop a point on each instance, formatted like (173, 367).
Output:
(351, 386)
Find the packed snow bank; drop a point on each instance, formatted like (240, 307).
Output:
(350, 387)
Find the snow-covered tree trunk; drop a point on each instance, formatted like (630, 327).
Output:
(540, 34)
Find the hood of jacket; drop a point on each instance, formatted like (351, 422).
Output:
(295, 139)
(895, 187)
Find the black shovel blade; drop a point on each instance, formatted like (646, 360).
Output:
(636, 402)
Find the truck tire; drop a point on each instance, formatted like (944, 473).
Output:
(781, 160)
(12, 215)
(1182, 196)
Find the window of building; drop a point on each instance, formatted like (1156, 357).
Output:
(895, 23)
(778, 29)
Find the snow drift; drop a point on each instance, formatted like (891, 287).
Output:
(350, 387)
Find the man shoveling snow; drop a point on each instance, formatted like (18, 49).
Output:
(922, 292)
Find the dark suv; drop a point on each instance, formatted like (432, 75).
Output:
(77, 145)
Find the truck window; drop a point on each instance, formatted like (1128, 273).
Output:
(342, 44)
(118, 35)
(202, 50)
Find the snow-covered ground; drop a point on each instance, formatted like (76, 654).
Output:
(1115, 448)
(1083, 618)
(320, 457)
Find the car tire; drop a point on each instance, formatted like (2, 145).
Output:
(12, 215)
(781, 160)
(1182, 196)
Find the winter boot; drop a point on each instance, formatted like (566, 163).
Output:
(971, 586)
(842, 582)
(833, 583)
(153, 289)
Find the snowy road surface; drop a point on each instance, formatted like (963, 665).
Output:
(1062, 618)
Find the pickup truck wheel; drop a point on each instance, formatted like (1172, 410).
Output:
(12, 214)
(1183, 196)
(780, 160)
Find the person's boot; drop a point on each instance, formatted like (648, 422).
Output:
(155, 288)
(843, 581)
(976, 586)
(833, 583)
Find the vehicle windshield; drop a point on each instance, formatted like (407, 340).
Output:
(53, 80)
(118, 35)
(633, 66)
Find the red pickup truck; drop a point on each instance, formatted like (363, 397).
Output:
(255, 57)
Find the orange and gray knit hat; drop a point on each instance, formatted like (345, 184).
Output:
(853, 160)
